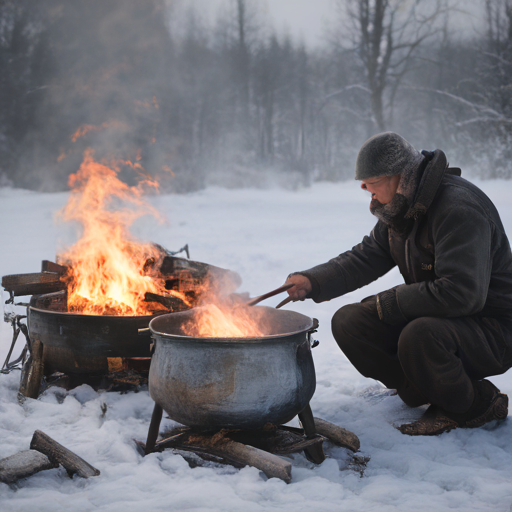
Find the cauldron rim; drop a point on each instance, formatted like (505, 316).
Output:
(70, 314)
(165, 336)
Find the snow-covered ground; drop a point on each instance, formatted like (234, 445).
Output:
(264, 235)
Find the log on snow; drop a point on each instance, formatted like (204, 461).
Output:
(240, 454)
(337, 435)
(23, 464)
(58, 454)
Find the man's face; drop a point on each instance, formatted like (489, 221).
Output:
(382, 188)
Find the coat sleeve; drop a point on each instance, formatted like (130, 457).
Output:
(462, 238)
(353, 269)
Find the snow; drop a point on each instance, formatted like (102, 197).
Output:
(264, 235)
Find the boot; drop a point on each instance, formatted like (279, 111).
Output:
(488, 405)
(432, 423)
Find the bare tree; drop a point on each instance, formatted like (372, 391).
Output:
(385, 36)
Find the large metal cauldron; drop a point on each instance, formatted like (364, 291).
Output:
(240, 383)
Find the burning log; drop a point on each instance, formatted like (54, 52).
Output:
(58, 454)
(22, 465)
(171, 302)
(50, 266)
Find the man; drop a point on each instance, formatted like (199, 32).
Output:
(435, 338)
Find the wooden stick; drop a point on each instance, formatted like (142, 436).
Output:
(337, 435)
(33, 370)
(23, 464)
(171, 302)
(58, 454)
(238, 453)
(267, 295)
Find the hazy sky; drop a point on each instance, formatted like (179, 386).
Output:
(301, 18)
(309, 19)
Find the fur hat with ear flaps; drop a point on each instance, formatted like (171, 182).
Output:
(386, 154)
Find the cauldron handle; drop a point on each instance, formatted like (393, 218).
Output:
(314, 328)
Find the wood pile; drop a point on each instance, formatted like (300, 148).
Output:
(44, 453)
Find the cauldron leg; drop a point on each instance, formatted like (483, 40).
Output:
(154, 427)
(313, 453)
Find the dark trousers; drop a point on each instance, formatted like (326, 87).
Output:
(428, 360)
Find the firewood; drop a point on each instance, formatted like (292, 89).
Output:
(337, 435)
(50, 266)
(32, 284)
(58, 454)
(278, 441)
(171, 302)
(23, 464)
(239, 454)
(33, 371)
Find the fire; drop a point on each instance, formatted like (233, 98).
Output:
(108, 269)
(109, 272)
(87, 128)
(218, 318)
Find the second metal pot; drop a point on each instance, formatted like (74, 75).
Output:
(240, 383)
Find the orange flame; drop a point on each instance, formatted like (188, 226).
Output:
(107, 267)
(86, 128)
(221, 318)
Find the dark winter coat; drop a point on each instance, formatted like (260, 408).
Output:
(448, 241)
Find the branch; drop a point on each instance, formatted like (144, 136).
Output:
(486, 114)
(341, 91)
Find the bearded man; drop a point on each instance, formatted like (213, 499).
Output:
(435, 338)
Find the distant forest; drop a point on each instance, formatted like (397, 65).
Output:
(236, 103)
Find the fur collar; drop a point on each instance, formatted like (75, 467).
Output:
(415, 193)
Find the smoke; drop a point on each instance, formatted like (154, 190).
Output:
(101, 88)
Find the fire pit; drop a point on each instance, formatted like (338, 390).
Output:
(87, 347)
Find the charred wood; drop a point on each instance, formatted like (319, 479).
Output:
(23, 464)
(195, 460)
(171, 302)
(237, 454)
(58, 454)
(50, 266)
(277, 441)
(34, 283)
(33, 371)
(56, 301)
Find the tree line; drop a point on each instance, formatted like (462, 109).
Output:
(237, 103)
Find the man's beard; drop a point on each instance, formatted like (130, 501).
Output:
(375, 205)
(393, 213)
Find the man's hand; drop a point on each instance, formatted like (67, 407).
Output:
(301, 287)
